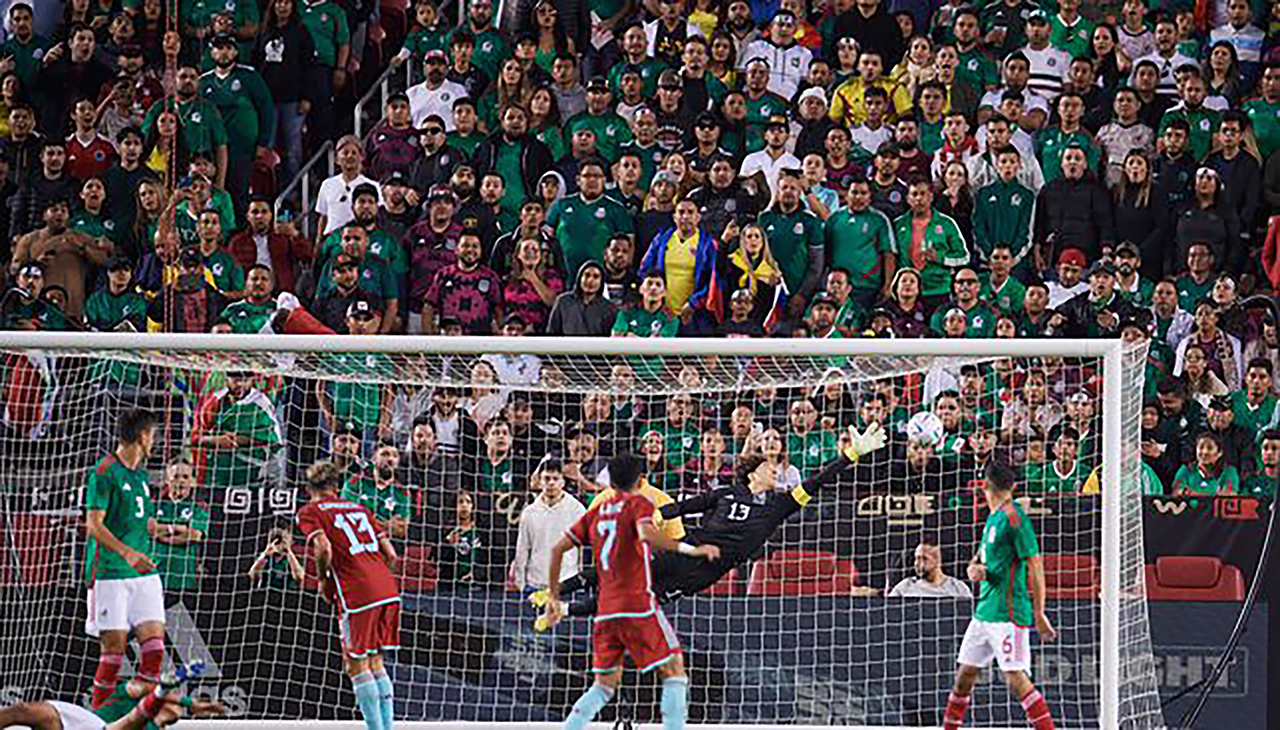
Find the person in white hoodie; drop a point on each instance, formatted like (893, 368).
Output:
(542, 524)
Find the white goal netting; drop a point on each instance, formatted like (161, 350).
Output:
(825, 626)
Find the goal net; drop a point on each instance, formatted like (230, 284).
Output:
(852, 614)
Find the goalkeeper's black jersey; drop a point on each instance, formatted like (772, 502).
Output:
(739, 522)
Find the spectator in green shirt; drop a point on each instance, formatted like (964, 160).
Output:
(244, 101)
(326, 21)
(650, 318)
(1263, 482)
(228, 277)
(23, 51)
(278, 562)
(179, 529)
(1209, 474)
(377, 489)
(1065, 474)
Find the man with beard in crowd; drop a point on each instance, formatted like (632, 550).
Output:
(248, 113)
(202, 126)
(378, 490)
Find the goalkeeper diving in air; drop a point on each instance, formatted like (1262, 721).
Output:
(739, 519)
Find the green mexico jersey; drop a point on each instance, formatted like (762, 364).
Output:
(327, 24)
(1190, 292)
(1190, 479)
(1266, 124)
(1259, 485)
(1008, 298)
(809, 452)
(119, 705)
(680, 443)
(1052, 142)
(1047, 478)
(179, 565)
(584, 227)
(124, 495)
(1203, 123)
(253, 417)
(1140, 296)
(650, 69)
(227, 274)
(94, 226)
(980, 320)
(856, 239)
(491, 51)
(1075, 39)
(611, 131)
(202, 125)
(1003, 213)
(358, 403)
(977, 70)
(199, 13)
(243, 100)
(1008, 540)
(650, 157)
(466, 144)
(791, 235)
(384, 502)
(641, 322)
(106, 311)
(1255, 419)
(28, 58)
(247, 318)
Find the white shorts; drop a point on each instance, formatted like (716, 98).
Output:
(75, 717)
(121, 604)
(1008, 644)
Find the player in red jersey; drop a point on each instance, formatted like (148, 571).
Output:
(353, 558)
(629, 620)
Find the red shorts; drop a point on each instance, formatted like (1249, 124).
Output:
(370, 631)
(649, 640)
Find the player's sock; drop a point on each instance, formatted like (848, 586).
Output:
(1037, 710)
(386, 695)
(152, 702)
(152, 659)
(588, 706)
(104, 680)
(366, 688)
(675, 702)
(953, 718)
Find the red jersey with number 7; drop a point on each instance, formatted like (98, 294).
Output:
(359, 573)
(622, 558)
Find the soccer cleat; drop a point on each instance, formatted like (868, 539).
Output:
(538, 598)
(182, 674)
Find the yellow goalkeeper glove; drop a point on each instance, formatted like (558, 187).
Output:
(859, 444)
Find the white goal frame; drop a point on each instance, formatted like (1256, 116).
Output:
(1110, 352)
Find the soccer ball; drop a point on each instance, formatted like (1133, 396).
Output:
(924, 427)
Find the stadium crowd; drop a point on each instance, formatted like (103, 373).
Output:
(739, 168)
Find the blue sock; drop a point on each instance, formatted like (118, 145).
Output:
(588, 706)
(386, 696)
(366, 688)
(675, 702)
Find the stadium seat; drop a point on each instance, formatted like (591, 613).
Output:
(1194, 578)
(729, 585)
(418, 574)
(802, 573)
(1071, 577)
(32, 561)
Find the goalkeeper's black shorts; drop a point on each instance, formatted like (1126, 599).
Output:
(676, 576)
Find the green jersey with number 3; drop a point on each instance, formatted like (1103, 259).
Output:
(125, 496)
(1008, 541)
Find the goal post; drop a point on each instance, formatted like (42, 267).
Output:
(802, 634)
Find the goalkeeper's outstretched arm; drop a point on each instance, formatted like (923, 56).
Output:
(854, 445)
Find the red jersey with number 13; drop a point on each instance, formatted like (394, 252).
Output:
(622, 558)
(359, 573)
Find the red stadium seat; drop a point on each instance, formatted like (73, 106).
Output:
(1071, 577)
(1194, 578)
(33, 561)
(417, 573)
(802, 573)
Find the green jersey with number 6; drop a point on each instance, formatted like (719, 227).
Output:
(1008, 541)
(125, 496)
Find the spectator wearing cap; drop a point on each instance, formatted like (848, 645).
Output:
(848, 103)
(359, 409)
(1239, 448)
(1099, 311)
(611, 130)
(515, 155)
(766, 165)
(466, 290)
(788, 60)
(50, 181)
(674, 117)
(1130, 283)
(241, 96)
(584, 223)
(1222, 351)
(1004, 211)
(392, 144)
(811, 124)
(1069, 280)
(980, 316)
(331, 304)
(888, 191)
(859, 240)
(189, 302)
(436, 94)
(261, 243)
(117, 306)
(1073, 210)
(334, 199)
(930, 242)
(68, 257)
(1208, 217)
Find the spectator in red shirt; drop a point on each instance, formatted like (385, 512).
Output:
(262, 243)
(466, 291)
(89, 154)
